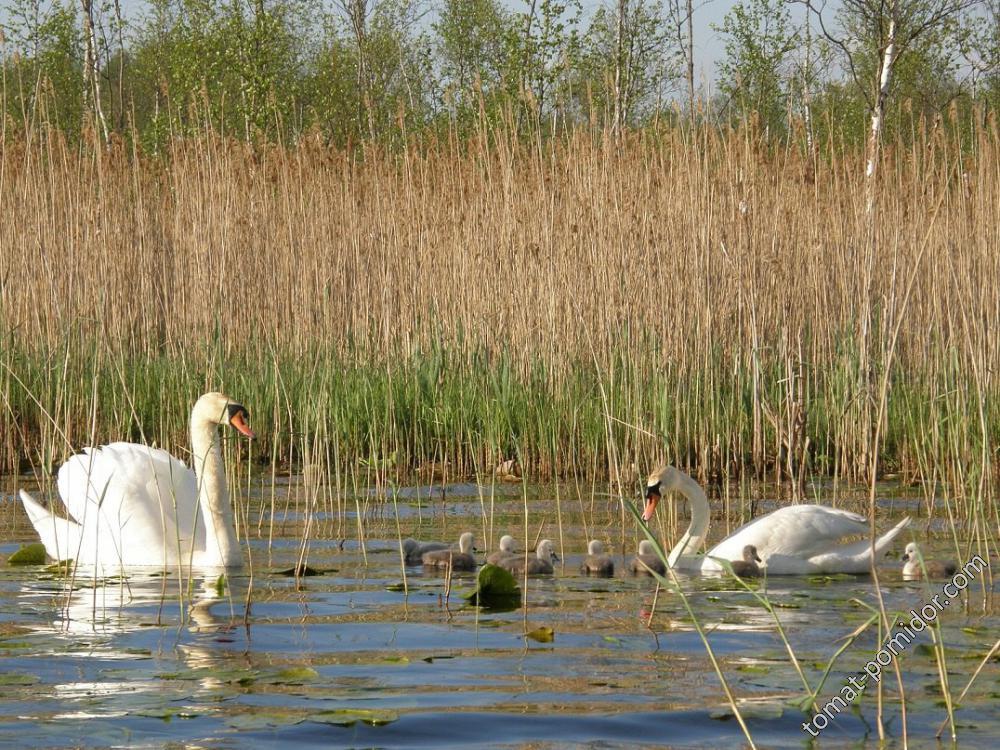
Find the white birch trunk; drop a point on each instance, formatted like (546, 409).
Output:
(618, 115)
(90, 71)
(878, 113)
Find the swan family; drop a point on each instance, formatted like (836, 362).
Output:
(134, 505)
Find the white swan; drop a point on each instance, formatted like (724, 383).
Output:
(133, 505)
(795, 540)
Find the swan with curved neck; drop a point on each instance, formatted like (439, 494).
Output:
(134, 505)
(795, 540)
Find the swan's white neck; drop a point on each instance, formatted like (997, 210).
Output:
(693, 539)
(221, 547)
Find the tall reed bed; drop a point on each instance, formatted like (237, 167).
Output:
(703, 298)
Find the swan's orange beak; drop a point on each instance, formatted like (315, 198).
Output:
(240, 423)
(652, 498)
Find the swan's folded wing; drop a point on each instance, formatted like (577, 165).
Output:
(799, 531)
(132, 491)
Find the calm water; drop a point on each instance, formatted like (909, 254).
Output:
(349, 659)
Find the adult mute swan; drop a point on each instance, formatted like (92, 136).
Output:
(133, 505)
(795, 540)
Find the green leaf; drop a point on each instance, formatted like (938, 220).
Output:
(29, 554)
(13, 679)
(346, 717)
(294, 676)
(754, 668)
(495, 588)
(264, 720)
(301, 571)
(543, 634)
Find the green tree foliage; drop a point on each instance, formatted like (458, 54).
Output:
(754, 74)
(45, 73)
(383, 70)
(474, 39)
(649, 65)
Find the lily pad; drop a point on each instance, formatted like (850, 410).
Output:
(29, 554)
(16, 679)
(346, 717)
(301, 571)
(294, 676)
(543, 634)
(495, 589)
(755, 710)
(264, 720)
(754, 668)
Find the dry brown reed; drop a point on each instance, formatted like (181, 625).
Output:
(716, 286)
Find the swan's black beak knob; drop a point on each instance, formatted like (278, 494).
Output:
(652, 498)
(238, 419)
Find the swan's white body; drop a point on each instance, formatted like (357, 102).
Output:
(136, 506)
(797, 540)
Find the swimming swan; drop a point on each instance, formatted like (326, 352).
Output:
(796, 540)
(507, 546)
(541, 564)
(597, 562)
(647, 561)
(461, 560)
(413, 550)
(747, 567)
(912, 570)
(134, 505)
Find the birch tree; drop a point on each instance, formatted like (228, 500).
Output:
(91, 72)
(629, 61)
(884, 31)
(752, 75)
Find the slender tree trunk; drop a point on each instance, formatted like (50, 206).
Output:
(121, 65)
(690, 57)
(91, 82)
(357, 11)
(807, 91)
(618, 115)
(878, 111)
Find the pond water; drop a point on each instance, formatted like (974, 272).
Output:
(353, 658)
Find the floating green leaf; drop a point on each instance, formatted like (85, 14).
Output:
(346, 717)
(543, 634)
(294, 676)
(265, 720)
(301, 571)
(754, 668)
(29, 554)
(495, 589)
(14, 678)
